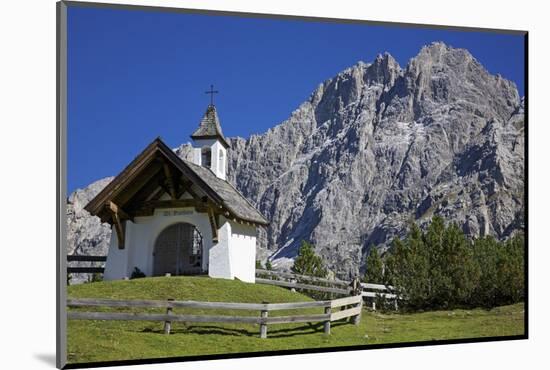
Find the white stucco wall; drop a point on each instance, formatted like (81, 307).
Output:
(242, 247)
(234, 256)
(220, 257)
(117, 259)
(219, 167)
(140, 241)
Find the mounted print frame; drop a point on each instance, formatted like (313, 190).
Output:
(238, 185)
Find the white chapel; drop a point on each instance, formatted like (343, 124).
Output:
(169, 215)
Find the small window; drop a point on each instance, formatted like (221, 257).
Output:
(206, 157)
(221, 161)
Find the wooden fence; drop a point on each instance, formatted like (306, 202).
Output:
(350, 307)
(279, 278)
(85, 269)
(290, 280)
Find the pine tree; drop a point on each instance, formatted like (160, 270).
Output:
(441, 268)
(375, 267)
(408, 268)
(511, 270)
(308, 263)
(459, 268)
(487, 254)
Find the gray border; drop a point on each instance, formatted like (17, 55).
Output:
(61, 191)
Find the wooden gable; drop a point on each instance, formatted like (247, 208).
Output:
(157, 170)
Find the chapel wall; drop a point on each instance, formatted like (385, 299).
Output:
(243, 251)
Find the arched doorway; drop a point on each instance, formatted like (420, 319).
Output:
(178, 251)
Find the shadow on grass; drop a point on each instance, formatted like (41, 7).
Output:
(272, 332)
(308, 328)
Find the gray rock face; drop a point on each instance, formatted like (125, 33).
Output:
(86, 235)
(376, 147)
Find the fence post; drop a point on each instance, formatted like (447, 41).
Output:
(328, 311)
(395, 304)
(168, 324)
(373, 305)
(263, 325)
(357, 318)
(293, 281)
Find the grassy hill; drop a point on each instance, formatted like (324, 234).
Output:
(90, 341)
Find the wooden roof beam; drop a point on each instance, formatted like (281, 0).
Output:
(115, 209)
(178, 203)
(118, 217)
(213, 224)
(170, 181)
(138, 183)
(120, 227)
(186, 187)
(156, 194)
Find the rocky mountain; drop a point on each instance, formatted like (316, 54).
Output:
(86, 235)
(376, 147)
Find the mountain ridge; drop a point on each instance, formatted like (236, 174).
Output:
(379, 145)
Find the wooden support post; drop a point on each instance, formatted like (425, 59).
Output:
(357, 318)
(170, 181)
(114, 208)
(119, 217)
(263, 325)
(168, 324)
(213, 224)
(373, 305)
(395, 305)
(327, 323)
(120, 227)
(293, 281)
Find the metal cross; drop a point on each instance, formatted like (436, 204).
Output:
(212, 92)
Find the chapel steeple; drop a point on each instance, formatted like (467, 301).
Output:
(210, 146)
(209, 127)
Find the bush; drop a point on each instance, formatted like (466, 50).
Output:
(96, 277)
(137, 273)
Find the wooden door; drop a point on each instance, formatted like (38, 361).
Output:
(178, 250)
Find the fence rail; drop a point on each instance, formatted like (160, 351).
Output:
(295, 285)
(85, 269)
(289, 275)
(369, 291)
(350, 307)
(72, 258)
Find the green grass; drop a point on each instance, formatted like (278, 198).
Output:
(90, 341)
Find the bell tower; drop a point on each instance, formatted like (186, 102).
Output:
(210, 146)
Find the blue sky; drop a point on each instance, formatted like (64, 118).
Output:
(135, 75)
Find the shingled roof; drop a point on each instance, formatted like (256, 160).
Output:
(150, 168)
(232, 198)
(210, 127)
